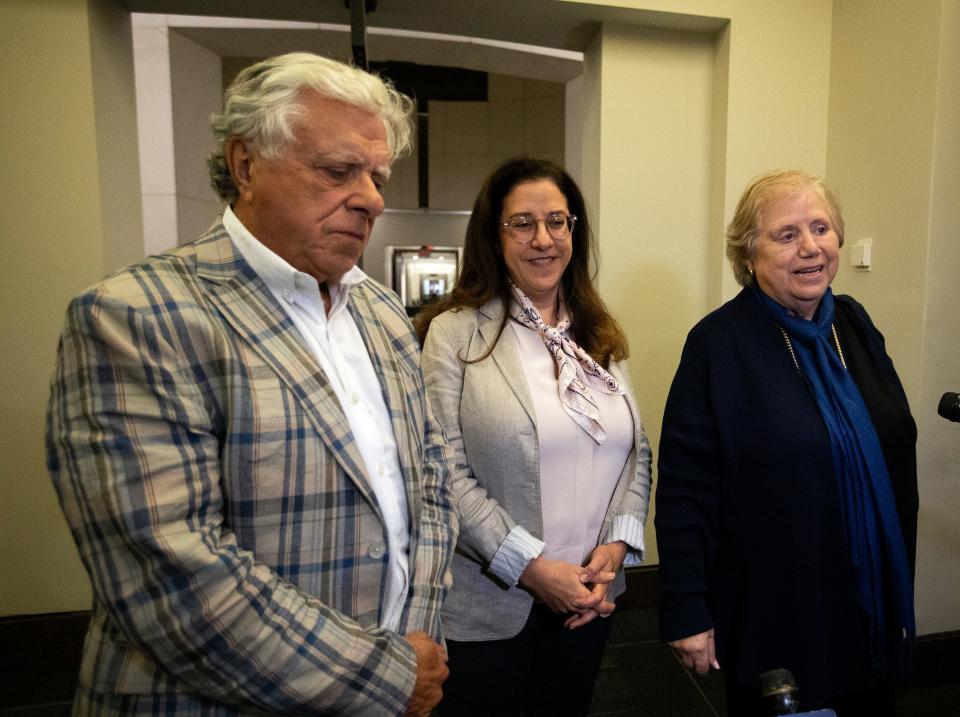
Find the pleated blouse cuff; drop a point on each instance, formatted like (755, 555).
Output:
(630, 530)
(514, 554)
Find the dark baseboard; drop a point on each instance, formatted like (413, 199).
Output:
(936, 660)
(40, 654)
(40, 657)
(936, 657)
(643, 589)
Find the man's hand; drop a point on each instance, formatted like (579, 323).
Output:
(697, 652)
(431, 673)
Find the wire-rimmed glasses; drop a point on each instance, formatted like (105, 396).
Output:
(523, 228)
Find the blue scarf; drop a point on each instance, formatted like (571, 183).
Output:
(874, 541)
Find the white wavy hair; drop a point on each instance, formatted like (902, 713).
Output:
(262, 103)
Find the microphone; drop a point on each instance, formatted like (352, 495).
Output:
(949, 407)
(779, 695)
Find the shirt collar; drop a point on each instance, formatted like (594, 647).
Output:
(283, 280)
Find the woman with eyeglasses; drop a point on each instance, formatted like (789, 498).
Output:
(524, 369)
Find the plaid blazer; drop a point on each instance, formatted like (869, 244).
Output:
(220, 503)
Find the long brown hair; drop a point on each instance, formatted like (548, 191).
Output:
(484, 274)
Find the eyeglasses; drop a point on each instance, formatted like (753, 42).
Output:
(524, 228)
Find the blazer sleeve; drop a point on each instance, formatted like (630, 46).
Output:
(687, 514)
(628, 516)
(435, 525)
(133, 451)
(483, 521)
(436, 529)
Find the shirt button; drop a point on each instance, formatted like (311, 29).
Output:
(381, 470)
(375, 551)
(286, 295)
(354, 399)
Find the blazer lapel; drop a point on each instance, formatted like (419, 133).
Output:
(618, 372)
(505, 355)
(250, 308)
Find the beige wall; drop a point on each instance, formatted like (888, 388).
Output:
(179, 86)
(673, 126)
(894, 157)
(69, 205)
(115, 123)
(882, 119)
(938, 570)
(196, 93)
(793, 84)
(650, 198)
(468, 139)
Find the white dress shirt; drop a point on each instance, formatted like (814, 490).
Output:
(335, 342)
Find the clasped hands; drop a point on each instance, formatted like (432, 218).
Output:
(580, 590)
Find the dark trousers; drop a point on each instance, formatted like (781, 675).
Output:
(878, 702)
(545, 670)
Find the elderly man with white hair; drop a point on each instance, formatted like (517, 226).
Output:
(240, 439)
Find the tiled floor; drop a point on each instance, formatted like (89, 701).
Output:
(641, 677)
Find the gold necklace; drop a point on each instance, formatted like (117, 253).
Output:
(836, 342)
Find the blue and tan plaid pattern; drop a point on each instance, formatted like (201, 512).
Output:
(219, 502)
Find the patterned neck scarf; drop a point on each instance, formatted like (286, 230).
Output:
(577, 372)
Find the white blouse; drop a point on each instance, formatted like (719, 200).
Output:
(577, 476)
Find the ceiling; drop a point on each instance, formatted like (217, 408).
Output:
(240, 38)
(541, 39)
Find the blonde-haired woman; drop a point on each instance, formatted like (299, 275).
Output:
(787, 498)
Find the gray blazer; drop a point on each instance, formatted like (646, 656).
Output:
(487, 413)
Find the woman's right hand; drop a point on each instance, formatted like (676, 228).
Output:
(556, 583)
(697, 652)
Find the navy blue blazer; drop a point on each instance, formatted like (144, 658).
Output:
(748, 517)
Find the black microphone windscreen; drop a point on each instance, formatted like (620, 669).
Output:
(778, 692)
(949, 406)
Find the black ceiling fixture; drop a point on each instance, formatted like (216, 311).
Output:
(358, 28)
(434, 82)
